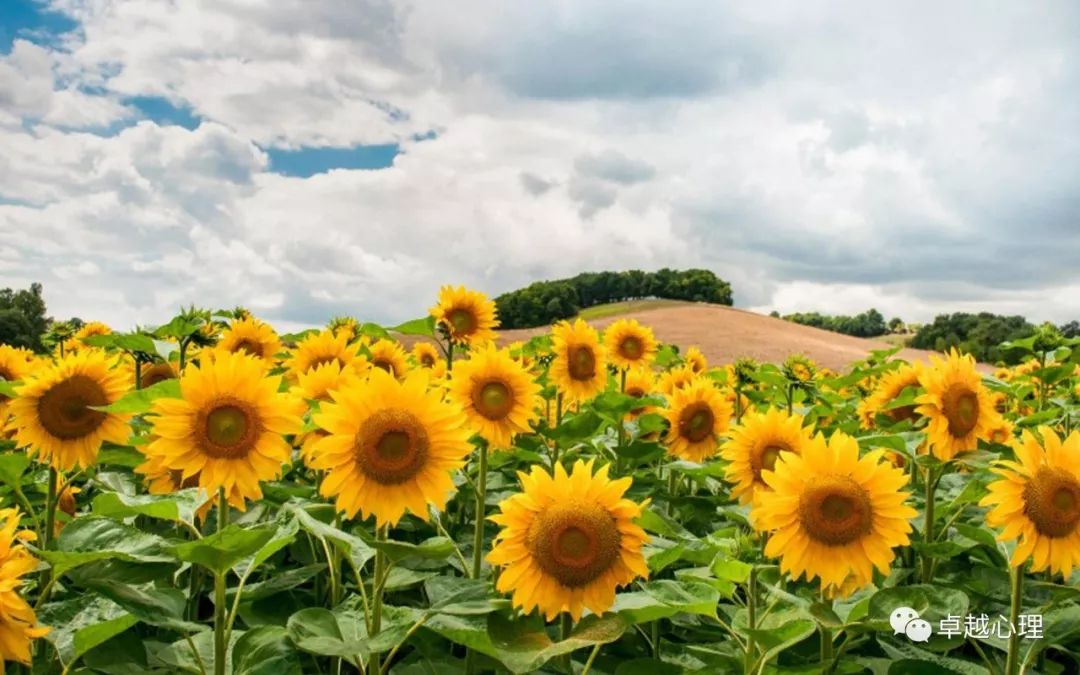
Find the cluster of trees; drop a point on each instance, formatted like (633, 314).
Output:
(978, 334)
(22, 318)
(868, 324)
(543, 302)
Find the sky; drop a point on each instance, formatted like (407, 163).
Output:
(309, 158)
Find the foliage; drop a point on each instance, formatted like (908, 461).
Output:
(868, 324)
(977, 334)
(22, 317)
(544, 302)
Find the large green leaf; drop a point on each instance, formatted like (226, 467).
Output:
(92, 539)
(283, 535)
(778, 638)
(423, 326)
(176, 507)
(141, 400)
(280, 581)
(163, 607)
(265, 651)
(80, 624)
(357, 549)
(435, 548)
(12, 467)
(222, 550)
(454, 595)
(666, 598)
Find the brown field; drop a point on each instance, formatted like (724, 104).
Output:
(724, 334)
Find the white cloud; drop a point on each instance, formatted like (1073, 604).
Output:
(911, 157)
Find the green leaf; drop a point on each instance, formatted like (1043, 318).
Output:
(80, 624)
(283, 535)
(647, 667)
(463, 597)
(120, 455)
(265, 651)
(131, 342)
(779, 638)
(8, 387)
(357, 549)
(12, 467)
(435, 548)
(898, 650)
(423, 326)
(577, 427)
(162, 607)
(179, 656)
(141, 400)
(523, 646)
(94, 538)
(666, 598)
(222, 550)
(280, 581)
(731, 569)
(176, 507)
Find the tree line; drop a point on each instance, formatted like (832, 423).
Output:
(544, 302)
(868, 324)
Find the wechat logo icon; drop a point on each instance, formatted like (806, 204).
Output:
(906, 621)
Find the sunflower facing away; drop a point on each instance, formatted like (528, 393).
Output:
(228, 427)
(388, 355)
(579, 369)
(497, 394)
(323, 347)
(54, 415)
(833, 514)
(1037, 500)
(755, 445)
(467, 317)
(251, 336)
(568, 541)
(629, 344)
(18, 624)
(391, 446)
(957, 405)
(697, 414)
(888, 389)
(696, 360)
(426, 354)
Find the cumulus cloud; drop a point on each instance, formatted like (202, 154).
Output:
(912, 157)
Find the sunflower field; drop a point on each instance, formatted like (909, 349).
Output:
(210, 497)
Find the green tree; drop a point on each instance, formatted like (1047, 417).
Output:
(22, 317)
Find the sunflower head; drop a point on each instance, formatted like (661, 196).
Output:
(675, 379)
(1037, 501)
(19, 626)
(756, 444)
(579, 368)
(888, 389)
(229, 426)
(316, 383)
(155, 373)
(346, 325)
(390, 446)
(14, 367)
(497, 394)
(639, 384)
(697, 414)
(832, 513)
(322, 347)
(465, 316)
(567, 542)
(388, 355)
(426, 354)
(696, 360)
(629, 344)
(799, 368)
(251, 336)
(57, 417)
(957, 405)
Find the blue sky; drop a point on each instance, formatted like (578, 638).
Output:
(316, 157)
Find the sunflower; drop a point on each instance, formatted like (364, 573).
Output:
(888, 389)
(755, 445)
(697, 413)
(154, 373)
(568, 541)
(78, 341)
(389, 356)
(957, 404)
(251, 336)
(426, 354)
(346, 325)
(799, 368)
(228, 427)
(831, 513)
(639, 384)
(696, 360)
(391, 446)
(18, 623)
(497, 394)
(676, 379)
(579, 369)
(1037, 500)
(55, 418)
(629, 344)
(466, 317)
(317, 385)
(161, 480)
(323, 347)
(14, 367)
(1002, 434)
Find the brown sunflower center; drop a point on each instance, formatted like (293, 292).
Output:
(574, 542)
(1052, 502)
(765, 457)
(696, 422)
(961, 407)
(581, 362)
(392, 446)
(631, 347)
(493, 399)
(636, 392)
(159, 372)
(228, 428)
(427, 360)
(65, 409)
(461, 320)
(836, 511)
(251, 347)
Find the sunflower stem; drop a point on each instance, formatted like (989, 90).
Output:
(751, 618)
(449, 356)
(481, 500)
(622, 429)
(826, 649)
(50, 507)
(138, 372)
(219, 593)
(738, 402)
(566, 626)
(1012, 661)
(558, 421)
(654, 638)
(589, 662)
(928, 526)
(377, 593)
